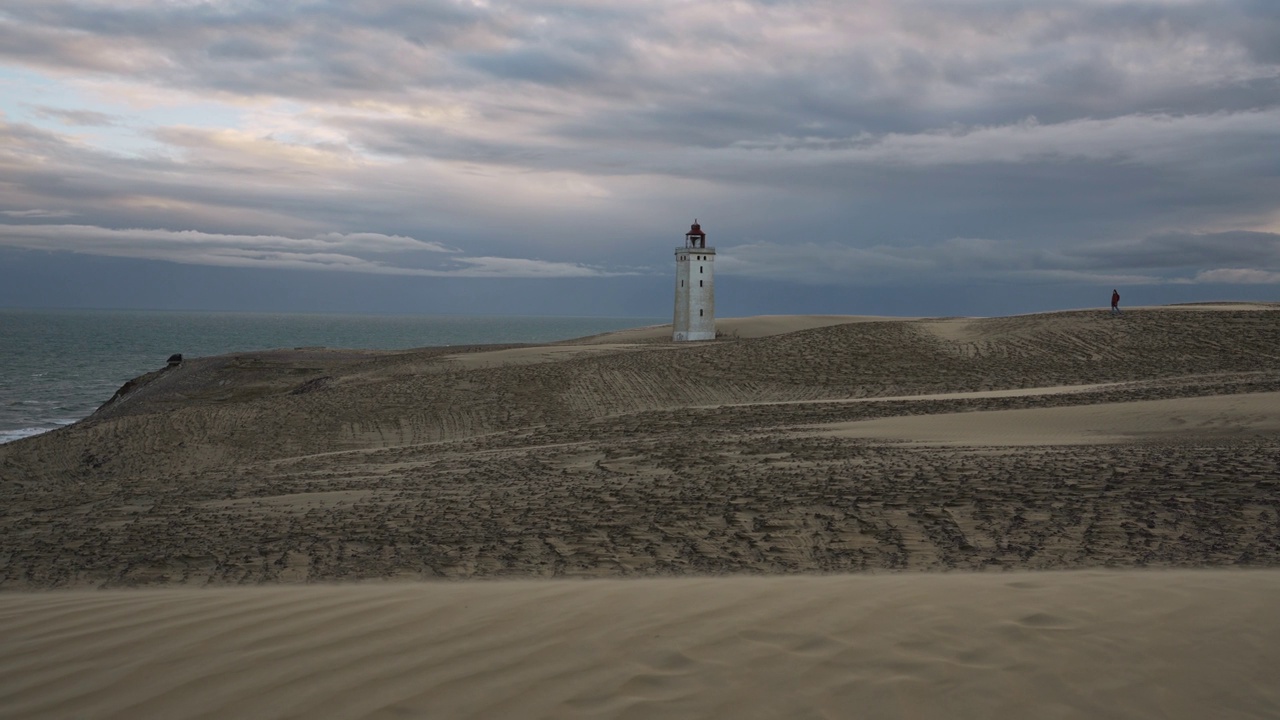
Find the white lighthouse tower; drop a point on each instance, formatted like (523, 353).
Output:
(695, 316)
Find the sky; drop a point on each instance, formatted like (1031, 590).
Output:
(909, 157)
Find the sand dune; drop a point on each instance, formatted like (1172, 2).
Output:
(776, 473)
(1172, 644)
(769, 452)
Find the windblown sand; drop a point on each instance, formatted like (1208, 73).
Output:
(802, 449)
(1169, 644)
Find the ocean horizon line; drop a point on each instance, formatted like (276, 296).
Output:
(320, 313)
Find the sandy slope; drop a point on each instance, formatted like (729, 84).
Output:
(1170, 644)
(1228, 416)
(1060, 440)
(748, 327)
(793, 446)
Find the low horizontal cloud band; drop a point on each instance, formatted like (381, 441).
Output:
(1175, 259)
(330, 251)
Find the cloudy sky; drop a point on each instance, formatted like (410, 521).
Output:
(932, 157)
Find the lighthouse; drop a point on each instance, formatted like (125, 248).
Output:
(695, 314)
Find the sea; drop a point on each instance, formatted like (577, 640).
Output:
(58, 366)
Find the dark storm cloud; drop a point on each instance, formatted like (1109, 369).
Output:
(1191, 250)
(316, 50)
(403, 137)
(655, 45)
(539, 66)
(1083, 141)
(1230, 258)
(319, 50)
(720, 73)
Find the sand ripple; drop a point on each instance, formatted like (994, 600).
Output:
(1177, 644)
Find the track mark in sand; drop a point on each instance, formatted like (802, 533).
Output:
(371, 452)
(971, 395)
(1229, 416)
(1024, 585)
(797, 643)
(1046, 621)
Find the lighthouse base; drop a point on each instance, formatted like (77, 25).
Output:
(693, 335)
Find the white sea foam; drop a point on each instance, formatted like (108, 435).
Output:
(7, 436)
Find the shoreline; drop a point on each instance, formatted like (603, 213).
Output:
(53, 377)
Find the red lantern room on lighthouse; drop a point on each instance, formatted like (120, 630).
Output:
(695, 306)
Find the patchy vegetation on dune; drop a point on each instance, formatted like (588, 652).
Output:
(649, 458)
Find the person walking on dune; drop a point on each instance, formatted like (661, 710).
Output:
(1115, 302)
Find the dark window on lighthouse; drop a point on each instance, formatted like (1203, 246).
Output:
(699, 268)
(699, 312)
(699, 283)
